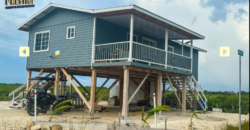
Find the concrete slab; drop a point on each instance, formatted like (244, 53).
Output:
(75, 126)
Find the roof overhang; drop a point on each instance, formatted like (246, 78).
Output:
(132, 9)
(196, 48)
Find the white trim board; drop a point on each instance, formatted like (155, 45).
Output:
(197, 48)
(70, 32)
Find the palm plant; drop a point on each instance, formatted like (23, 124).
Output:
(156, 110)
(60, 108)
(195, 115)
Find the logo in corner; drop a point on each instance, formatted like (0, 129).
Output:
(13, 4)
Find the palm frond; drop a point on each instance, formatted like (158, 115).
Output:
(157, 109)
(58, 110)
(62, 103)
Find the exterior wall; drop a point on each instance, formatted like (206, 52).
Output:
(73, 52)
(132, 87)
(108, 33)
(114, 91)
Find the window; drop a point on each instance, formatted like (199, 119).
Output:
(42, 41)
(170, 49)
(135, 38)
(70, 32)
(149, 42)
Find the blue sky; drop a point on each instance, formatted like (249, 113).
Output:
(223, 23)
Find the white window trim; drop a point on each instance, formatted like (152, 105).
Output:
(34, 50)
(149, 40)
(172, 48)
(128, 35)
(70, 34)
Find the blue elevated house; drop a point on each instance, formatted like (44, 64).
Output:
(141, 50)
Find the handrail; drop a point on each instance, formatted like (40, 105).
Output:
(17, 89)
(179, 54)
(199, 88)
(153, 55)
(149, 46)
(110, 43)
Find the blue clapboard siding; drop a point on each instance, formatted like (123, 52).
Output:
(108, 33)
(73, 52)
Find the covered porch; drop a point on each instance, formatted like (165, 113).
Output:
(130, 38)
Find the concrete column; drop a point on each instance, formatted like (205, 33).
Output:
(184, 96)
(92, 93)
(125, 94)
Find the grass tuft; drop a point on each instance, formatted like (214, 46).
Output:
(244, 126)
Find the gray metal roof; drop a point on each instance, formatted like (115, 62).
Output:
(131, 9)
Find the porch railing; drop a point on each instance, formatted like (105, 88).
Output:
(112, 51)
(178, 61)
(143, 53)
(148, 54)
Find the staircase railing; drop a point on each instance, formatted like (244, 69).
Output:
(198, 90)
(17, 89)
(19, 95)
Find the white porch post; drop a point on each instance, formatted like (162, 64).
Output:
(191, 55)
(131, 37)
(93, 43)
(182, 47)
(166, 47)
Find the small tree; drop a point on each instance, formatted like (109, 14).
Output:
(194, 114)
(156, 110)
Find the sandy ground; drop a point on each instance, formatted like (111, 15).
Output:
(15, 118)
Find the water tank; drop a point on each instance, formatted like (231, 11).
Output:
(114, 91)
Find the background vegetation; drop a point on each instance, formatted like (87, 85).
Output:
(5, 89)
(227, 101)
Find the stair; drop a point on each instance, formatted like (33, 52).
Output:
(19, 103)
(194, 92)
(197, 91)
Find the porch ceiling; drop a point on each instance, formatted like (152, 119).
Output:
(143, 26)
(152, 20)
